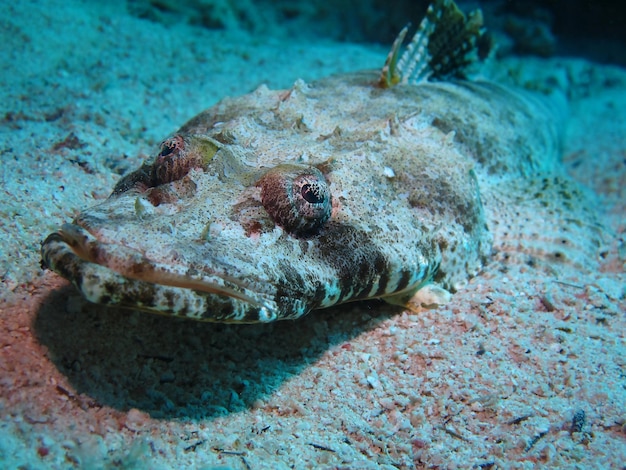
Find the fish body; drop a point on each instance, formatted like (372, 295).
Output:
(270, 205)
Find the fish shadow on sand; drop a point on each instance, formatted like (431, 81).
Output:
(172, 368)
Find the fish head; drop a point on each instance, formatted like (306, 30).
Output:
(215, 227)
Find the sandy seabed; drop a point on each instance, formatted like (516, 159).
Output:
(525, 368)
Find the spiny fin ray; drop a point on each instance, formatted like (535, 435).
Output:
(446, 43)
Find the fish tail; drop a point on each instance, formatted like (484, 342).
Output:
(446, 43)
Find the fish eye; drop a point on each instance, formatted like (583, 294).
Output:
(312, 194)
(167, 148)
(297, 198)
(171, 163)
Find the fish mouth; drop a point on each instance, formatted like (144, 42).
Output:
(114, 274)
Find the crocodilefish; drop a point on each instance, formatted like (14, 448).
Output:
(357, 186)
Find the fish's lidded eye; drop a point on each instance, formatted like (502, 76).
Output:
(297, 198)
(179, 154)
(171, 163)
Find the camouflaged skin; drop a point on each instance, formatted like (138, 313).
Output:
(400, 172)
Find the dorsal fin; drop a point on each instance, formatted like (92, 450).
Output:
(445, 44)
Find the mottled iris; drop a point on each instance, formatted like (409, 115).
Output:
(297, 198)
(176, 158)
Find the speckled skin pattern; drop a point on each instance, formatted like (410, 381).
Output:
(270, 205)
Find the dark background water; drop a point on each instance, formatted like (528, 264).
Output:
(593, 29)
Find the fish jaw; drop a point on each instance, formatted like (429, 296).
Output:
(111, 274)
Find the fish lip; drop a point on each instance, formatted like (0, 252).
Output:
(74, 253)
